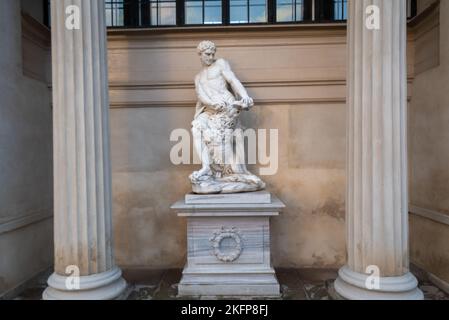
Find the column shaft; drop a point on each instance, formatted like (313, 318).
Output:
(82, 171)
(376, 202)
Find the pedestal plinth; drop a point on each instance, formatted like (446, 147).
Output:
(228, 244)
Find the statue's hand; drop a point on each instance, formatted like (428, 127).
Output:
(248, 102)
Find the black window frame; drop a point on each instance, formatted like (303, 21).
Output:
(46, 7)
(137, 15)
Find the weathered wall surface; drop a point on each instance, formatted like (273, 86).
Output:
(297, 78)
(26, 236)
(429, 148)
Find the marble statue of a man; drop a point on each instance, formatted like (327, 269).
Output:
(221, 98)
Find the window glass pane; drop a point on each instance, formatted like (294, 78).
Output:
(258, 11)
(194, 12)
(284, 10)
(108, 18)
(299, 10)
(345, 9)
(167, 12)
(203, 12)
(244, 11)
(212, 12)
(340, 7)
(154, 13)
(238, 11)
(163, 12)
(289, 10)
(114, 13)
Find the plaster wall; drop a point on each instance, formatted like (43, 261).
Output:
(428, 143)
(26, 237)
(297, 77)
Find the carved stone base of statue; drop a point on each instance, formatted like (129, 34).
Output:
(228, 244)
(234, 183)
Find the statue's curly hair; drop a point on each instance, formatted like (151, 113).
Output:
(206, 45)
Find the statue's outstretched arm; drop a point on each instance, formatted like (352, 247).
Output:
(235, 83)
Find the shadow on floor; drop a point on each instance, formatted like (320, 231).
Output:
(296, 284)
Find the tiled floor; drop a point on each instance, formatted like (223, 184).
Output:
(296, 284)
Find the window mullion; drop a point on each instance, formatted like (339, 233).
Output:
(271, 7)
(145, 12)
(294, 10)
(225, 12)
(180, 12)
(314, 10)
(203, 13)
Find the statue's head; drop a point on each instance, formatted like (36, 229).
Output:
(206, 50)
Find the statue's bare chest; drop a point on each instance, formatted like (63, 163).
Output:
(212, 77)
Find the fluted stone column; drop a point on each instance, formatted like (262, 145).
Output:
(376, 201)
(82, 172)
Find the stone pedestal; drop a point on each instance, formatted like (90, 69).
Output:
(228, 244)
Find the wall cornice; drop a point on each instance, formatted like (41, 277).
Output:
(8, 225)
(36, 32)
(430, 214)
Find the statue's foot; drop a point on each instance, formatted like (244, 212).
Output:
(203, 174)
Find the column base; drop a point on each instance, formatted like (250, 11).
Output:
(351, 285)
(108, 285)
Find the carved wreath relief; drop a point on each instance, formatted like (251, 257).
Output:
(227, 233)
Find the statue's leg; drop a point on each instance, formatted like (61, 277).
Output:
(238, 160)
(202, 152)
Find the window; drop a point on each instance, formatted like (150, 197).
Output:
(340, 9)
(115, 12)
(248, 11)
(290, 10)
(330, 10)
(160, 13)
(140, 13)
(203, 12)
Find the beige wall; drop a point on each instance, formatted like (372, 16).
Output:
(297, 77)
(429, 147)
(26, 237)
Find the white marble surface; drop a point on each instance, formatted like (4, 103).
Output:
(82, 167)
(229, 209)
(376, 197)
(258, 197)
(228, 247)
(221, 99)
